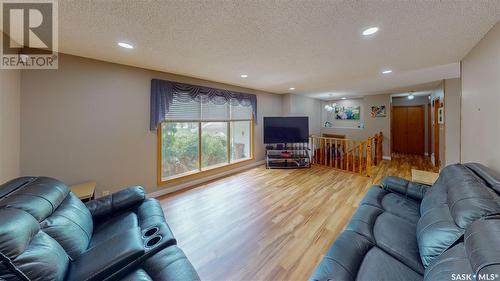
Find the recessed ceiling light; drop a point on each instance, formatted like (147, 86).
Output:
(244, 75)
(125, 45)
(387, 71)
(344, 98)
(370, 31)
(292, 88)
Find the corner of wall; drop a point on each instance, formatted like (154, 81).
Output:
(10, 126)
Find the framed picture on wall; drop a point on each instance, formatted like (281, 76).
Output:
(378, 111)
(347, 112)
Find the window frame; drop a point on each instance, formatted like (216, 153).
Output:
(200, 171)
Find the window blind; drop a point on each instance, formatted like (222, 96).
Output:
(211, 111)
(179, 101)
(193, 110)
(184, 109)
(239, 112)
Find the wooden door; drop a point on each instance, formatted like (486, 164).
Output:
(416, 130)
(408, 129)
(399, 129)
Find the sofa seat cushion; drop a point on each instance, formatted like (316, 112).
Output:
(170, 264)
(354, 257)
(389, 232)
(378, 265)
(394, 203)
(397, 237)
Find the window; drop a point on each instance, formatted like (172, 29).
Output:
(199, 135)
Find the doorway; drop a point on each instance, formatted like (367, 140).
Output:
(408, 129)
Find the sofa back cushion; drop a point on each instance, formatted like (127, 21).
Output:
(26, 252)
(458, 198)
(71, 225)
(39, 198)
(478, 254)
(59, 212)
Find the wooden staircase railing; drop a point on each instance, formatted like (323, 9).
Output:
(347, 154)
(377, 140)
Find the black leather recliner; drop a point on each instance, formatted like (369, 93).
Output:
(408, 231)
(47, 233)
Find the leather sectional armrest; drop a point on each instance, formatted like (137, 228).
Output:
(101, 261)
(399, 185)
(111, 204)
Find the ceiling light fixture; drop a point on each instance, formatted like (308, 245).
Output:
(411, 96)
(344, 98)
(330, 107)
(244, 75)
(387, 71)
(370, 31)
(125, 45)
(292, 88)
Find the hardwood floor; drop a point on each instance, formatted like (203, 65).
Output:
(270, 224)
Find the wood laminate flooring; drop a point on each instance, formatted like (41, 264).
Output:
(271, 224)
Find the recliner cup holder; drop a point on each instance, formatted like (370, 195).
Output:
(151, 231)
(153, 241)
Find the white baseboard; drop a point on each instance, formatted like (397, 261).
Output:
(202, 180)
(386, 157)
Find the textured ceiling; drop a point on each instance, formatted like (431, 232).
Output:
(314, 46)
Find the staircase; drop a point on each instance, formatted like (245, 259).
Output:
(356, 156)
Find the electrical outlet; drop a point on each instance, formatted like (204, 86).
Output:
(105, 192)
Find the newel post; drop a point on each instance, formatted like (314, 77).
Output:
(369, 157)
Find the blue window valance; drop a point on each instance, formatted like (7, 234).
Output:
(163, 94)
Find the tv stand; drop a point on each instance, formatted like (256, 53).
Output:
(287, 158)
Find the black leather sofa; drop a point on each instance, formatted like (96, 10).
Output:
(47, 233)
(408, 231)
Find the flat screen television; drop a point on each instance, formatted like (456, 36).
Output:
(286, 129)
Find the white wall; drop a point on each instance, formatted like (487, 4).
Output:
(10, 113)
(89, 120)
(329, 116)
(481, 101)
(452, 95)
(372, 125)
(297, 105)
